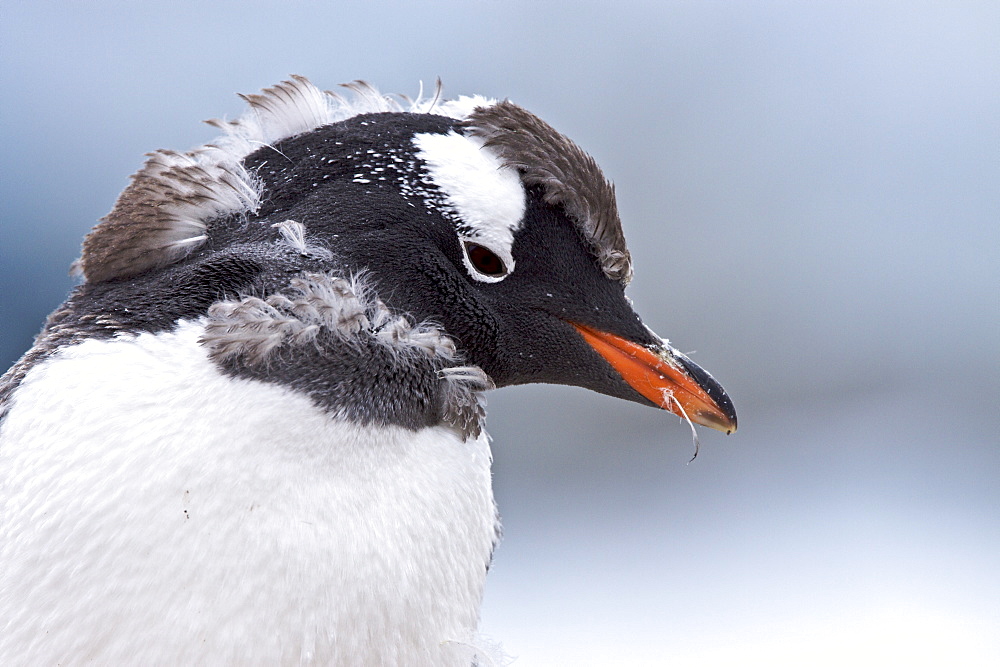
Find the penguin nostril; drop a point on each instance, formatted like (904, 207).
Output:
(485, 260)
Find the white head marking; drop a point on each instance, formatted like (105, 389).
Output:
(485, 195)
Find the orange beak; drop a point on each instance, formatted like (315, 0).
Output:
(666, 378)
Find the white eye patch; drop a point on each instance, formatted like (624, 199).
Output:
(486, 197)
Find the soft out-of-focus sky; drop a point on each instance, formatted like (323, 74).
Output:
(812, 196)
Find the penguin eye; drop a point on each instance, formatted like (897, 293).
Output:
(485, 260)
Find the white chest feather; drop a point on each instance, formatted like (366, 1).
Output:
(154, 511)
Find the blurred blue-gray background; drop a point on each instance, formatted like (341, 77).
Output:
(812, 197)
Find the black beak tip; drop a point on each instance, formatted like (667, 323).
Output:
(715, 392)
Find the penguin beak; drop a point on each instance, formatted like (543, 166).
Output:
(666, 378)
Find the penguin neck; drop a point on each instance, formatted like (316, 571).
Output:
(314, 534)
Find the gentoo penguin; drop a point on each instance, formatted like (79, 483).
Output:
(254, 434)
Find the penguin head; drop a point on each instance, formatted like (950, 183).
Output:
(473, 215)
